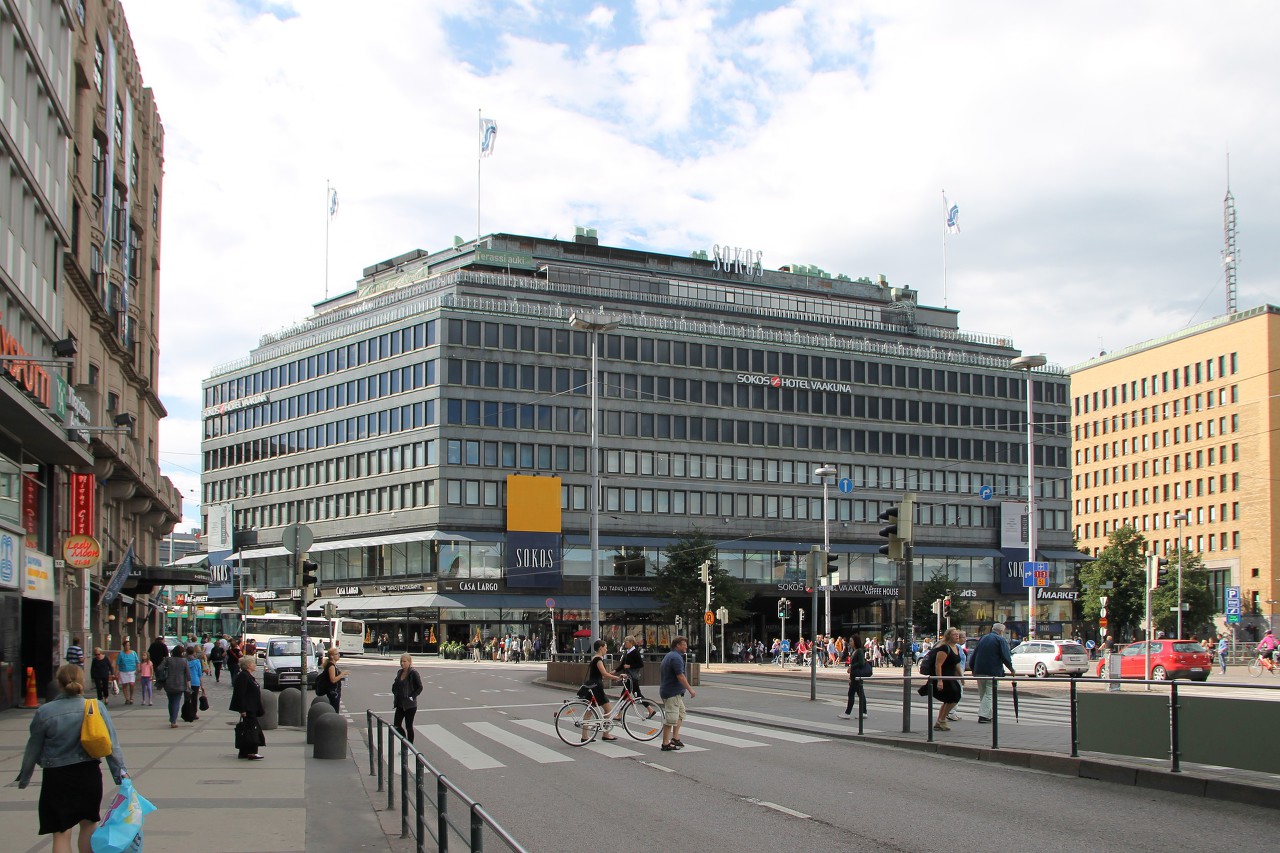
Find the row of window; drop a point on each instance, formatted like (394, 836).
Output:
(676, 353)
(386, 345)
(386, 422)
(1123, 421)
(1161, 438)
(1158, 467)
(1163, 383)
(1200, 544)
(1170, 491)
(1211, 514)
(409, 377)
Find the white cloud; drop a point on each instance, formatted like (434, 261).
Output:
(1084, 144)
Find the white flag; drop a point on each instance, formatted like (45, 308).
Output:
(488, 136)
(953, 216)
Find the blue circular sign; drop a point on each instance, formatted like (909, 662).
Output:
(985, 493)
(846, 485)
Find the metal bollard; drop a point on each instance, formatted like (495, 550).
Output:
(477, 830)
(1175, 753)
(330, 736)
(314, 714)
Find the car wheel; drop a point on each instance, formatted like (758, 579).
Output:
(1042, 671)
(1159, 673)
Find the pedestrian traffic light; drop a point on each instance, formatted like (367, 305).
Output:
(310, 571)
(782, 608)
(946, 607)
(892, 550)
(833, 567)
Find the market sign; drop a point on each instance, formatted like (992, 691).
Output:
(81, 551)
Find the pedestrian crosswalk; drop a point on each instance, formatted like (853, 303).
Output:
(488, 746)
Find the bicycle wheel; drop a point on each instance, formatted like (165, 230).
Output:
(643, 719)
(577, 723)
(1255, 667)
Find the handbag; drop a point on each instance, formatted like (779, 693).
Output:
(204, 700)
(249, 734)
(121, 830)
(95, 737)
(115, 687)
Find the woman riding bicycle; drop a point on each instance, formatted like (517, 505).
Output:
(596, 674)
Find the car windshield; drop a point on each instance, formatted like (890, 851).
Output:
(1188, 648)
(1072, 649)
(283, 647)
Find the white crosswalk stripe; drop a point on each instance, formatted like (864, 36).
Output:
(457, 748)
(525, 747)
(606, 748)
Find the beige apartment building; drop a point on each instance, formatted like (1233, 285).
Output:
(1177, 437)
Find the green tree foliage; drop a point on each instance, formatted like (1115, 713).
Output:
(939, 585)
(1201, 606)
(678, 585)
(1122, 565)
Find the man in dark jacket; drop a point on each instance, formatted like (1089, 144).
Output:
(631, 664)
(246, 697)
(991, 658)
(157, 651)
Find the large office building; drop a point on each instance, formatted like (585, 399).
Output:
(1177, 438)
(391, 420)
(79, 165)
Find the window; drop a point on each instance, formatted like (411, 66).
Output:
(117, 125)
(99, 60)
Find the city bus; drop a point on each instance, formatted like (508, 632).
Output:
(348, 632)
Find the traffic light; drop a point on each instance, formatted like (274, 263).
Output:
(704, 574)
(833, 567)
(782, 608)
(310, 570)
(946, 607)
(936, 607)
(1157, 570)
(892, 550)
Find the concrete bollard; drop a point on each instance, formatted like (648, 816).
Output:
(317, 713)
(270, 718)
(330, 736)
(290, 707)
(325, 699)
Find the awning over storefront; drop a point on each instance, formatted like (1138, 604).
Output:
(1072, 556)
(191, 560)
(390, 539)
(259, 553)
(40, 434)
(144, 579)
(953, 551)
(409, 601)
(404, 601)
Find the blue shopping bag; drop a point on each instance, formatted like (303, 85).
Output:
(121, 830)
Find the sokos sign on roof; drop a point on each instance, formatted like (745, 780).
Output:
(736, 259)
(785, 382)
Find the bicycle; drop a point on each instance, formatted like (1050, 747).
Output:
(1261, 662)
(580, 721)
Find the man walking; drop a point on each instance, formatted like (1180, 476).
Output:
(990, 658)
(1223, 647)
(672, 685)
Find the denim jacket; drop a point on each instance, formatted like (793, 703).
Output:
(55, 739)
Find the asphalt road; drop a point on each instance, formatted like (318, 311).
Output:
(752, 787)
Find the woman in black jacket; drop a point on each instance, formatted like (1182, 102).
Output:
(246, 697)
(859, 668)
(405, 689)
(100, 670)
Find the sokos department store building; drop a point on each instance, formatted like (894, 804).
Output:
(390, 419)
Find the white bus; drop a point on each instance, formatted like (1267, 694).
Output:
(348, 632)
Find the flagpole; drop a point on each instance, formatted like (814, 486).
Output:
(479, 157)
(945, 213)
(328, 203)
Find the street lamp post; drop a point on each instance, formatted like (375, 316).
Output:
(595, 323)
(825, 472)
(1028, 363)
(1178, 519)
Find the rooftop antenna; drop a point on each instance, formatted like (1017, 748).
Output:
(1229, 254)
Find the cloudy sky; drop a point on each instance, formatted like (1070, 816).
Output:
(1085, 144)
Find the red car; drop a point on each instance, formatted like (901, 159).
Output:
(1169, 659)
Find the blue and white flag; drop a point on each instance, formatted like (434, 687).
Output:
(333, 203)
(488, 136)
(118, 578)
(953, 217)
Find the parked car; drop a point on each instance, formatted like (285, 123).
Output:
(282, 663)
(1043, 658)
(1169, 659)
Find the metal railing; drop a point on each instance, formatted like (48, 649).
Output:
(417, 796)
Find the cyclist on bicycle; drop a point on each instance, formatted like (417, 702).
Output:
(631, 664)
(1267, 646)
(596, 674)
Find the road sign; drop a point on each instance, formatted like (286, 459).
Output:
(1102, 623)
(985, 493)
(709, 618)
(1233, 619)
(297, 538)
(845, 485)
(1035, 574)
(1233, 604)
(551, 603)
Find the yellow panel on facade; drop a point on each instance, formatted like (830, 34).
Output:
(533, 503)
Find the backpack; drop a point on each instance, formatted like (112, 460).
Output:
(323, 685)
(162, 672)
(95, 738)
(926, 663)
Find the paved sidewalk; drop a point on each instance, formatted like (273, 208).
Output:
(209, 801)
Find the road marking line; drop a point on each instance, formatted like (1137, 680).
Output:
(527, 748)
(778, 808)
(714, 737)
(757, 730)
(608, 749)
(658, 767)
(458, 749)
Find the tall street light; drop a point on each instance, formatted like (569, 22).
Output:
(1029, 363)
(825, 472)
(595, 322)
(1178, 519)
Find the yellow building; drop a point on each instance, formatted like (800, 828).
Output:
(1186, 426)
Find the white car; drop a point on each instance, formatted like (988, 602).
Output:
(283, 663)
(1043, 658)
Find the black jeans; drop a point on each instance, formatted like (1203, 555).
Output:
(855, 689)
(404, 722)
(103, 686)
(217, 670)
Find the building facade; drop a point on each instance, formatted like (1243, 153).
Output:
(60, 522)
(1176, 437)
(389, 421)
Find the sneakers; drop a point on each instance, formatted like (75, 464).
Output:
(953, 716)
(669, 747)
(984, 719)
(844, 716)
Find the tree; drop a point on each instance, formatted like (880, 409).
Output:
(678, 584)
(1120, 574)
(1200, 602)
(939, 585)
